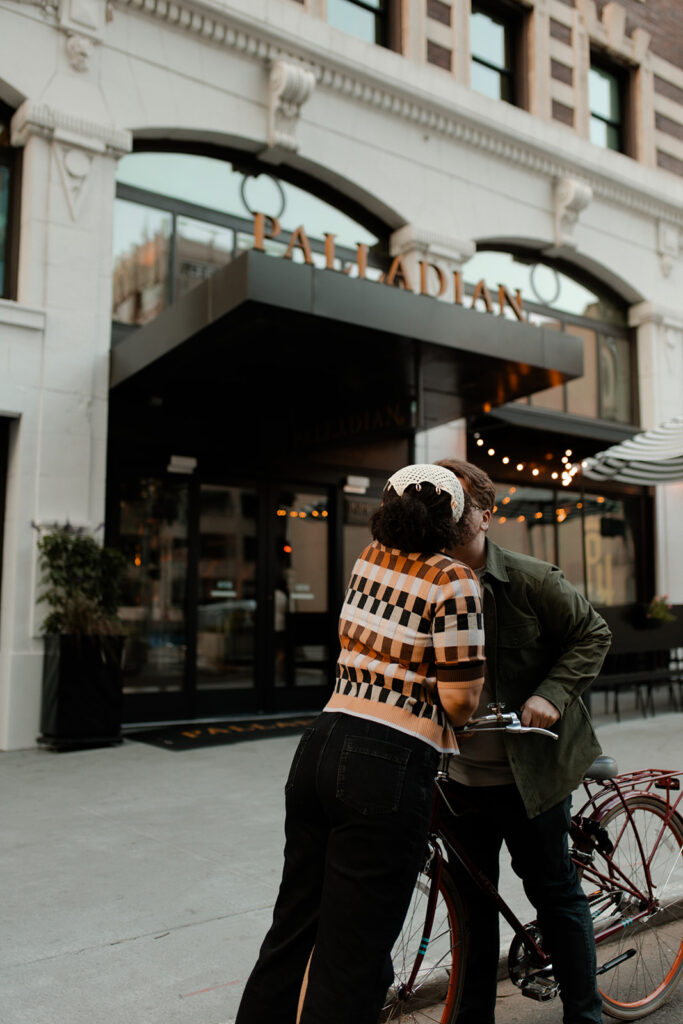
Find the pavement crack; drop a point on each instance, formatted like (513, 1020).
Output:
(156, 934)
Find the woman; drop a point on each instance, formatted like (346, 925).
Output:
(359, 790)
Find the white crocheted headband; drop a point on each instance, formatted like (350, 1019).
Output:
(426, 473)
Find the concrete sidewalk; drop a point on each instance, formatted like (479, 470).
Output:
(138, 883)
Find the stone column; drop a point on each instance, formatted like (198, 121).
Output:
(660, 379)
(59, 438)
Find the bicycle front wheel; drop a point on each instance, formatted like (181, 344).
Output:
(648, 849)
(437, 989)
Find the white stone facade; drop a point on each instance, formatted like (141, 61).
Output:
(414, 145)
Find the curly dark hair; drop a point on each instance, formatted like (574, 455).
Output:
(418, 520)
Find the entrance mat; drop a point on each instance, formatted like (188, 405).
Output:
(190, 737)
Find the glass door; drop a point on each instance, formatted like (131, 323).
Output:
(228, 594)
(153, 535)
(302, 631)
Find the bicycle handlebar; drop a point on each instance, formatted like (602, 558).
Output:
(501, 722)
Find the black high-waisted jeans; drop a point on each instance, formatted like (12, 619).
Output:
(358, 800)
(539, 849)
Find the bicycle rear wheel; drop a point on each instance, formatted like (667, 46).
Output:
(437, 989)
(652, 946)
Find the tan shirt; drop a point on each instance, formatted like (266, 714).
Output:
(482, 760)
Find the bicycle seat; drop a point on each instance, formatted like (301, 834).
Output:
(603, 767)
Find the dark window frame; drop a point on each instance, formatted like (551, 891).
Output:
(10, 158)
(622, 76)
(515, 21)
(387, 21)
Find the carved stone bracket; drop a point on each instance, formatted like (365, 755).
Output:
(668, 246)
(290, 85)
(570, 198)
(78, 51)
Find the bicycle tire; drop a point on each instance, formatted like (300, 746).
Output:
(639, 985)
(438, 987)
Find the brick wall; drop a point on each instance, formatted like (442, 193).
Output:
(663, 19)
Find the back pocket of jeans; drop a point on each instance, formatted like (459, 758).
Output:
(298, 754)
(371, 774)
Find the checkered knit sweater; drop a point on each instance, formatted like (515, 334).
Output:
(409, 623)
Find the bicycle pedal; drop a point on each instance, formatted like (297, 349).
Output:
(540, 989)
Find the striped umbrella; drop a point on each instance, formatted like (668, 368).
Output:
(654, 457)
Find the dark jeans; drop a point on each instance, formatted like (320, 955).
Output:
(539, 851)
(358, 799)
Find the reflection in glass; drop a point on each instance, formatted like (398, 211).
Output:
(142, 249)
(519, 272)
(201, 250)
(300, 588)
(487, 39)
(610, 552)
(356, 19)
(487, 81)
(153, 537)
(605, 135)
(582, 393)
(568, 516)
(603, 92)
(604, 96)
(523, 520)
(549, 398)
(590, 537)
(227, 587)
(490, 47)
(615, 380)
(215, 185)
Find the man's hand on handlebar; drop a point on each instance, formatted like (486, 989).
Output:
(538, 713)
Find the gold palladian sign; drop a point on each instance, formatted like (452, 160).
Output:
(434, 280)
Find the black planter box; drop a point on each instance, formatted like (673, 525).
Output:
(82, 691)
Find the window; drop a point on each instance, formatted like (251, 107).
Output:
(583, 309)
(606, 98)
(180, 217)
(366, 19)
(494, 41)
(7, 165)
(590, 536)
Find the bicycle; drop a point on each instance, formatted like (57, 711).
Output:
(627, 845)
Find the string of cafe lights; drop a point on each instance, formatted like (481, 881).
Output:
(565, 474)
(294, 513)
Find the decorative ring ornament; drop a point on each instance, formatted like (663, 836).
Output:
(278, 186)
(532, 281)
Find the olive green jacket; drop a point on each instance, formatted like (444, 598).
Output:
(542, 637)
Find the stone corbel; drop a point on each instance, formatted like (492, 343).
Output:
(290, 86)
(668, 246)
(570, 198)
(82, 21)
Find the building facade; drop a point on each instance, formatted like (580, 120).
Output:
(256, 254)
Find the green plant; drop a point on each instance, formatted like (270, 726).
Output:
(659, 608)
(83, 582)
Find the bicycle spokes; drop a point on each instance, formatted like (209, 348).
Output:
(636, 900)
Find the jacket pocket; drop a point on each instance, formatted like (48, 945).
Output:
(298, 754)
(521, 633)
(371, 774)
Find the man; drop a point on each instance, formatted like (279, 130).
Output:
(544, 645)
